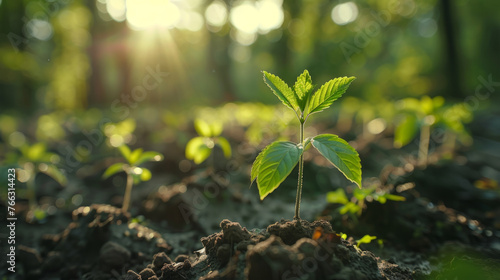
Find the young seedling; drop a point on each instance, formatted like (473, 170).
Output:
(200, 148)
(356, 204)
(135, 174)
(33, 159)
(278, 159)
(423, 115)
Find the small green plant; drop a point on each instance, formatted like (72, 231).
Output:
(356, 204)
(33, 159)
(278, 159)
(424, 115)
(135, 174)
(200, 148)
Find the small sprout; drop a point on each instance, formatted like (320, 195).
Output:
(200, 148)
(34, 159)
(367, 239)
(276, 161)
(135, 174)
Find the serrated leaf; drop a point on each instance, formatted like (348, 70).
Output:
(327, 94)
(149, 156)
(202, 128)
(125, 151)
(225, 146)
(303, 88)
(276, 164)
(145, 175)
(56, 174)
(113, 169)
(339, 153)
(405, 131)
(134, 156)
(256, 165)
(281, 90)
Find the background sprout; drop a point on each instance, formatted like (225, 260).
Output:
(135, 174)
(34, 159)
(277, 160)
(200, 148)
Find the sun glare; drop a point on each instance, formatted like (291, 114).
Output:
(344, 13)
(145, 14)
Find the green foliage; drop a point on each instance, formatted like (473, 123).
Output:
(354, 206)
(200, 148)
(36, 158)
(340, 154)
(278, 159)
(275, 164)
(365, 239)
(134, 159)
(135, 174)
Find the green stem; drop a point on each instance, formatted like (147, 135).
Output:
(301, 173)
(424, 145)
(30, 184)
(128, 192)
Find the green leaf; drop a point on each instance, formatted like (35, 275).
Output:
(113, 169)
(202, 154)
(405, 131)
(225, 146)
(366, 239)
(149, 156)
(125, 151)
(337, 196)
(56, 174)
(216, 128)
(281, 90)
(303, 88)
(361, 194)
(276, 164)
(350, 207)
(256, 165)
(203, 128)
(197, 150)
(327, 94)
(36, 151)
(341, 155)
(383, 198)
(145, 175)
(134, 156)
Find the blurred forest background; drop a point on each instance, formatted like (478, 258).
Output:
(68, 65)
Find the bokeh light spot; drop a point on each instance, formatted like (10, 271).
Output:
(344, 13)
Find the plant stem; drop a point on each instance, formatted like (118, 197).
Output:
(423, 149)
(301, 173)
(128, 191)
(30, 184)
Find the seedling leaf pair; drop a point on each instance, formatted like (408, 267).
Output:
(199, 148)
(277, 160)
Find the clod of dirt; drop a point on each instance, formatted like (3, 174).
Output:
(29, 257)
(291, 231)
(236, 253)
(147, 273)
(131, 275)
(170, 204)
(103, 231)
(113, 254)
(177, 271)
(232, 233)
(161, 259)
